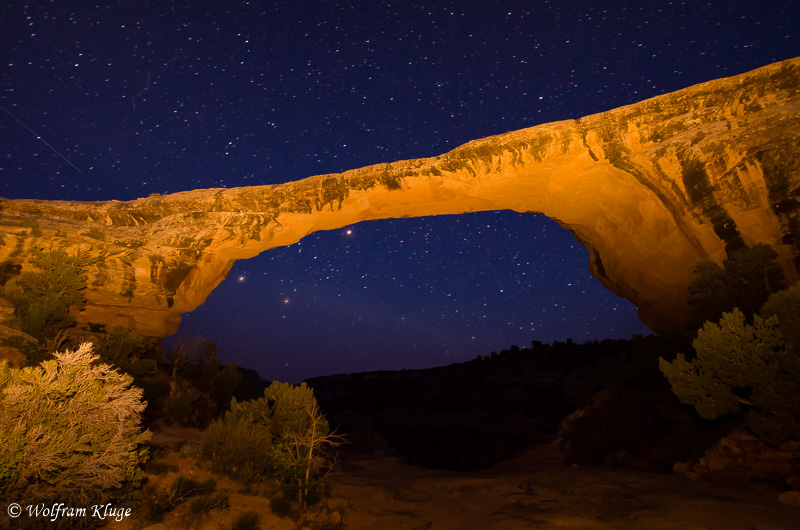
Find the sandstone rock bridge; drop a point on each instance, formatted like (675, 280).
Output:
(650, 189)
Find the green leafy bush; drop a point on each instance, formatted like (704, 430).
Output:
(69, 430)
(742, 367)
(43, 299)
(239, 446)
(301, 434)
(283, 433)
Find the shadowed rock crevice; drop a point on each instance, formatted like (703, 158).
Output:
(650, 189)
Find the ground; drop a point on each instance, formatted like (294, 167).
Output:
(536, 490)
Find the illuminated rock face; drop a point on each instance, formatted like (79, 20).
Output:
(650, 189)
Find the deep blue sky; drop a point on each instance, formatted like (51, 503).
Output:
(134, 98)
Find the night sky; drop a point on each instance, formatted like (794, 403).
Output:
(132, 98)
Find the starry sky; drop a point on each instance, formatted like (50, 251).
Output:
(123, 99)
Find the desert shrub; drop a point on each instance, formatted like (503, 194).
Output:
(639, 426)
(29, 348)
(786, 306)
(179, 408)
(69, 430)
(301, 436)
(246, 521)
(206, 503)
(619, 424)
(43, 299)
(138, 356)
(159, 467)
(282, 507)
(132, 353)
(238, 446)
(8, 270)
(182, 489)
(746, 280)
(186, 487)
(188, 351)
(741, 367)
(283, 432)
(215, 381)
(160, 505)
(196, 371)
(156, 391)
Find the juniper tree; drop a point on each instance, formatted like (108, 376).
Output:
(746, 279)
(741, 367)
(44, 297)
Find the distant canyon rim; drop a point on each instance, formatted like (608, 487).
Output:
(650, 189)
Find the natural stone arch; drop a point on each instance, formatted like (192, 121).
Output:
(650, 189)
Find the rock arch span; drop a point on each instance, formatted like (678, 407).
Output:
(650, 189)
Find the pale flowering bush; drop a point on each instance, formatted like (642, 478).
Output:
(69, 430)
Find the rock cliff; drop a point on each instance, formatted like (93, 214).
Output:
(650, 189)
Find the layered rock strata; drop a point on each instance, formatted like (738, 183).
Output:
(650, 189)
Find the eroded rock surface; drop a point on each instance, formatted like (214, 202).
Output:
(650, 189)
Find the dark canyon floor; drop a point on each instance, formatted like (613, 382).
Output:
(482, 444)
(534, 490)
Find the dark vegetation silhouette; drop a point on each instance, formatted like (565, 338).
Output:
(745, 281)
(472, 415)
